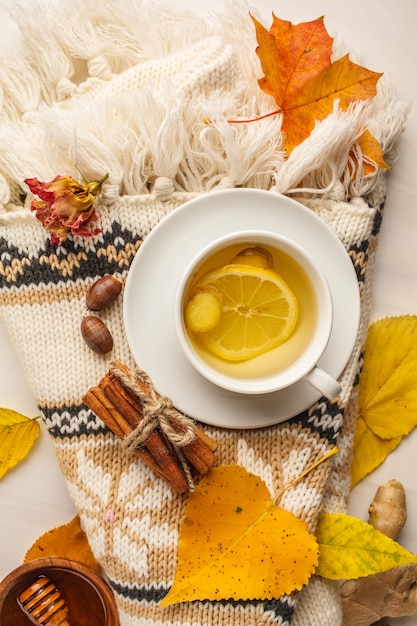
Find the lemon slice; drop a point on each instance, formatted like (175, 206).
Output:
(259, 311)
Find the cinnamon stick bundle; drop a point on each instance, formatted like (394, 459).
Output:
(122, 411)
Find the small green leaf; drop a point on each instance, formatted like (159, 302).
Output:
(17, 436)
(351, 548)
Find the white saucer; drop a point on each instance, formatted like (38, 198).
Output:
(150, 293)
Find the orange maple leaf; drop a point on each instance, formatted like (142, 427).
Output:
(373, 157)
(300, 75)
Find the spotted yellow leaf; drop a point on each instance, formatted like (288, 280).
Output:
(17, 436)
(236, 543)
(351, 548)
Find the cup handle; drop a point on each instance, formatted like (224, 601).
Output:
(322, 381)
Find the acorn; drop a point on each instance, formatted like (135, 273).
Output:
(96, 335)
(103, 293)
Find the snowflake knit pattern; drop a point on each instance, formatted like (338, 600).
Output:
(139, 115)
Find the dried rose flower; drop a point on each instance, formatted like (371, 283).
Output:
(65, 206)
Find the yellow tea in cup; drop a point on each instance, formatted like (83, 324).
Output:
(241, 271)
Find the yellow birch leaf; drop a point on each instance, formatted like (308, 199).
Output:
(351, 548)
(236, 543)
(68, 541)
(17, 436)
(387, 398)
(369, 451)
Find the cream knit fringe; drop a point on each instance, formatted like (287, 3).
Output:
(143, 91)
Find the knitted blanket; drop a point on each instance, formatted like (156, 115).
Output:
(125, 88)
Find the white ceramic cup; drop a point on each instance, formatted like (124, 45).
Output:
(298, 356)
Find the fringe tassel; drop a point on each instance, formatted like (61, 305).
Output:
(320, 162)
(105, 89)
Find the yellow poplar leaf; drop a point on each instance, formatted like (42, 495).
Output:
(17, 436)
(68, 541)
(351, 548)
(387, 398)
(369, 451)
(236, 543)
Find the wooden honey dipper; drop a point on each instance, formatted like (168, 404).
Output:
(44, 604)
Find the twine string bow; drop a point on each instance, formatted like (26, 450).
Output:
(157, 412)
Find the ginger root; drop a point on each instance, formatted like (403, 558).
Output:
(388, 594)
(388, 512)
(393, 593)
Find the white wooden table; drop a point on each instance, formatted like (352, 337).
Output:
(34, 497)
